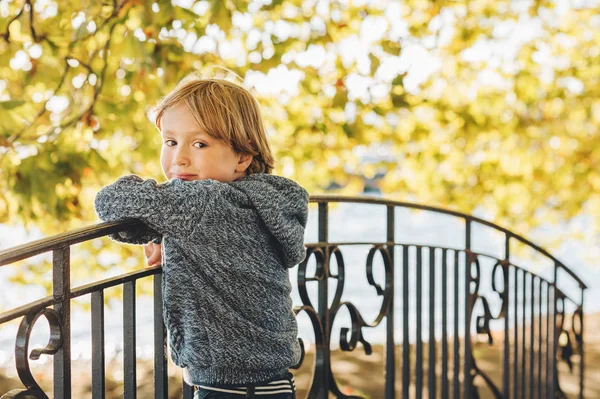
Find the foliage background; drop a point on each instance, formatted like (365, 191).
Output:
(480, 106)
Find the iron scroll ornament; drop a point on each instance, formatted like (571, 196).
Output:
(319, 342)
(33, 390)
(357, 321)
(483, 321)
(564, 346)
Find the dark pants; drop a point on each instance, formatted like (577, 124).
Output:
(250, 391)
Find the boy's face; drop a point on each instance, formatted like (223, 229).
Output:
(188, 153)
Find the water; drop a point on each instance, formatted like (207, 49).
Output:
(348, 223)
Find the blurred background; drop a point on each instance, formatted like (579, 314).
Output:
(486, 107)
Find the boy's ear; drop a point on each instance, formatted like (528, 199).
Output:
(244, 162)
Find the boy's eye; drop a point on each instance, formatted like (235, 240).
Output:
(200, 145)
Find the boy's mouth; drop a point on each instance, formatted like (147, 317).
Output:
(184, 176)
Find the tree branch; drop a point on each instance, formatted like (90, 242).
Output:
(42, 111)
(6, 36)
(117, 8)
(31, 28)
(90, 108)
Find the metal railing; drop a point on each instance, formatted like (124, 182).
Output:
(532, 310)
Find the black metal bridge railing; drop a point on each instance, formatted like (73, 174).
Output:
(535, 335)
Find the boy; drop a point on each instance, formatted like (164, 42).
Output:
(229, 230)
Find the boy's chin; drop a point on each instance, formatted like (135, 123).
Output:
(186, 177)
(192, 178)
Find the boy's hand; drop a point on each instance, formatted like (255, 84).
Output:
(153, 253)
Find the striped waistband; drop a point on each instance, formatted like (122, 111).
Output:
(271, 388)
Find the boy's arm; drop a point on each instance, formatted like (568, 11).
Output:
(173, 208)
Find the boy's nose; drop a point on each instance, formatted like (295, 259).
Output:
(180, 159)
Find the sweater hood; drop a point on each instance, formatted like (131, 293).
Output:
(282, 205)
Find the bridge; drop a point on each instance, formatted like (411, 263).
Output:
(435, 293)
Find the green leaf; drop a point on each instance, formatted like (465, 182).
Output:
(11, 104)
(340, 99)
(221, 15)
(374, 63)
(399, 101)
(391, 47)
(399, 79)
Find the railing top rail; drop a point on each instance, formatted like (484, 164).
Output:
(46, 244)
(69, 238)
(382, 201)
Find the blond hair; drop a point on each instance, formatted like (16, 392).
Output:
(225, 111)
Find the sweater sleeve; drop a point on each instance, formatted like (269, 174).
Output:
(173, 208)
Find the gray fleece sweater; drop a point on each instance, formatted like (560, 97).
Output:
(227, 248)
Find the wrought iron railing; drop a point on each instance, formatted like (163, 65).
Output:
(535, 334)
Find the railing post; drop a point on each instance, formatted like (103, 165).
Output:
(160, 343)
(581, 352)
(431, 377)
(554, 335)
(129, 341)
(456, 351)
(445, 360)
(405, 324)
(98, 374)
(524, 335)
(540, 339)
(506, 303)
(419, 326)
(531, 369)
(61, 290)
(324, 299)
(467, 368)
(548, 371)
(390, 355)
